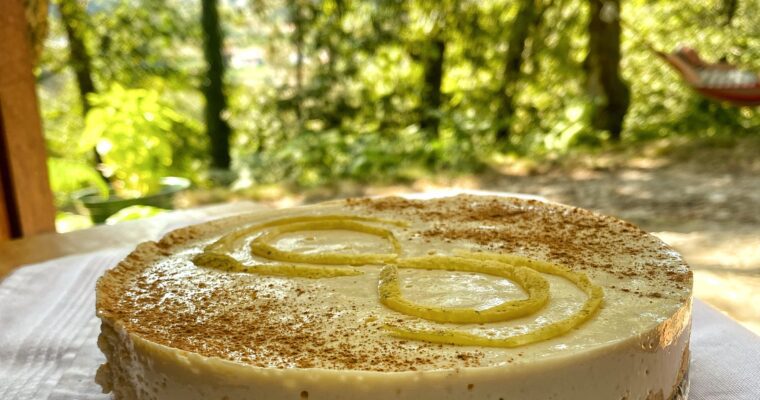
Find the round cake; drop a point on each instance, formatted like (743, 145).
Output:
(464, 297)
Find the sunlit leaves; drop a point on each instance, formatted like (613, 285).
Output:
(67, 176)
(136, 132)
(360, 98)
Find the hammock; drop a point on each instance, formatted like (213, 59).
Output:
(719, 81)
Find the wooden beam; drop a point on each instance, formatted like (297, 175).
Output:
(5, 222)
(27, 199)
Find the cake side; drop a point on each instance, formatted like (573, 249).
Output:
(633, 281)
(156, 372)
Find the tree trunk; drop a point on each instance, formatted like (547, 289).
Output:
(518, 35)
(73, 18)
(431, 92)
(217, 127)
(298, 40)
(610, 93)
(729, 8)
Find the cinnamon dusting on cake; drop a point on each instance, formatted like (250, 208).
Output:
(571, 236)
(267, 321)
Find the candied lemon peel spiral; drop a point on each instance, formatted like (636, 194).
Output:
(525, 272)
(261, 248)
(594, 293)
(217, 254)
(530, 280)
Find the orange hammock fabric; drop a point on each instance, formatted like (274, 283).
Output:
(719, 81)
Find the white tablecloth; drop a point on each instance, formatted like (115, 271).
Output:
(48, 334)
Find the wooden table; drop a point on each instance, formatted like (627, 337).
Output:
(38, 248)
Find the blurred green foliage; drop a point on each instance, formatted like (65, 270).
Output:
(321, 90)
(140, 139)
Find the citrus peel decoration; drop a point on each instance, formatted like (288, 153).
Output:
(224, 262)
(594, 294)
(262, 248)
(525, 272)
(228, 242)
(531, 281)
(216, 255)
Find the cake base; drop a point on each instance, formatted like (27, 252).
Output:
(140, 370)
(682, 390)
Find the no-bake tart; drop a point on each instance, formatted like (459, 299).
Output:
(464, 297)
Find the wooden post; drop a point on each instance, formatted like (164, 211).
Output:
(26, 202)
(5, 222)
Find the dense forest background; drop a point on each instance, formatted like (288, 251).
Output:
(305, 93)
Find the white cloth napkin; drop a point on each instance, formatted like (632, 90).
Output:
(48, 333)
